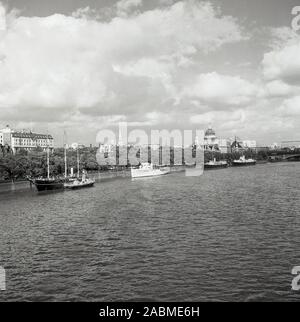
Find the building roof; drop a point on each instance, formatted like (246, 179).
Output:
(210, 132)
(30, 135)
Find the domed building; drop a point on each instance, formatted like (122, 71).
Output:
(213, 143)
(210, 132)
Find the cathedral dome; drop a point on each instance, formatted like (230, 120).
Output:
(210, 132)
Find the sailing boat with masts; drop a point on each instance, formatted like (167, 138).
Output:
(48, 183)
(78, 183)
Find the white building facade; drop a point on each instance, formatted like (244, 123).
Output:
(214, 143)
(25, 140)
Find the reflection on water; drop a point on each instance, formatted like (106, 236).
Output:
(231, 234)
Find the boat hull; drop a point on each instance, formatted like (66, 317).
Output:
(215, 166)
(136, 173)
(243, 164)
(48, 185)
(80, 186)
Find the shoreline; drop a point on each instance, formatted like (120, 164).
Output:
(119, 173)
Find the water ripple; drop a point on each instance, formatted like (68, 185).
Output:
(230, 235)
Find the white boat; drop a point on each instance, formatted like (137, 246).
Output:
(78, 184)
(242, 161)
(147, 170)
(214, 164)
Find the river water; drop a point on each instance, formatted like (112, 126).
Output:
(229, 235)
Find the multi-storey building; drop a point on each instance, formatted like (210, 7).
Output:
(240, 145)
(25, 140)
(213, 143)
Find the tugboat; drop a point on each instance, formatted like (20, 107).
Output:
(213, 164)
(242, 161)
(147, 170)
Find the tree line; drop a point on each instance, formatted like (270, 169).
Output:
(33, 163)
(24, 164)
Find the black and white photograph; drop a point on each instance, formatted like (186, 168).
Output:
(149, 153)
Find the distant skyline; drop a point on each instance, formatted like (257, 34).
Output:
(85, 65)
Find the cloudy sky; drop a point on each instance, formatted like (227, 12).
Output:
(84, 65)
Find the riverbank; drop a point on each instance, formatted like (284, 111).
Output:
(125, 172)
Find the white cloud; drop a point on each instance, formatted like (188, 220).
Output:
(71, 64)
(146, 67)
(283, 62)
(2, 18)
(166, 2)
(281, 69)
(214, 117)
(221, 89)
(124, 6)
(290, 107)
(86, 13)
(277, 88)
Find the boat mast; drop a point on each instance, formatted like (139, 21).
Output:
(48, 161)
(78, 174)
(66, 167)
(65, 152)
